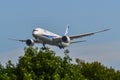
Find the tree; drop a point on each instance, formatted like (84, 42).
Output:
(45, 65)
(97, 71)
(41, 65)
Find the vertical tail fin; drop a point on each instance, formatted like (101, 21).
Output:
(67, 31)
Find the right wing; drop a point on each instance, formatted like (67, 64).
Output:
(17, 40)
(87, 34)
(22, 40)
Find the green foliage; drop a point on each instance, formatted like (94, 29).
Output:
(96, 71)
(45, 65)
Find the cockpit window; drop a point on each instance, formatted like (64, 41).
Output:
(35, 30)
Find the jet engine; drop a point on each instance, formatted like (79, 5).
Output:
(65, 42)
(66, 39)
(30, 42)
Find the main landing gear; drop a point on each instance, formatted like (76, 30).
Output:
(44, 48)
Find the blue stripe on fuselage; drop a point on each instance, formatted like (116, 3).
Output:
(48, 36)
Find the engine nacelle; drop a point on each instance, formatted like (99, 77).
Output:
(30, 42)
(65, 42)
(66, 39)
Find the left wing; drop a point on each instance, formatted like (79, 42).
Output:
(87, 34)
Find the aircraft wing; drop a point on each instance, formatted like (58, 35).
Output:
(87, 34)
(17, 40)
(21, 40)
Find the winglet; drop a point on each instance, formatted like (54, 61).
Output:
(67, 31)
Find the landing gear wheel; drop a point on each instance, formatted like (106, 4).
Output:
(44, 48)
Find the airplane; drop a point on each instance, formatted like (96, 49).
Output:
(46, 37)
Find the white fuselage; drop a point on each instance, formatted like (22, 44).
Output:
(44, 36)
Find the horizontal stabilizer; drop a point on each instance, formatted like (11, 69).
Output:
(78, 41)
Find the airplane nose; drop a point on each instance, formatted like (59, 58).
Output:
(34, 33)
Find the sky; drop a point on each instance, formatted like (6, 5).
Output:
(19, 17)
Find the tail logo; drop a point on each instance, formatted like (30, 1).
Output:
(67, 31)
